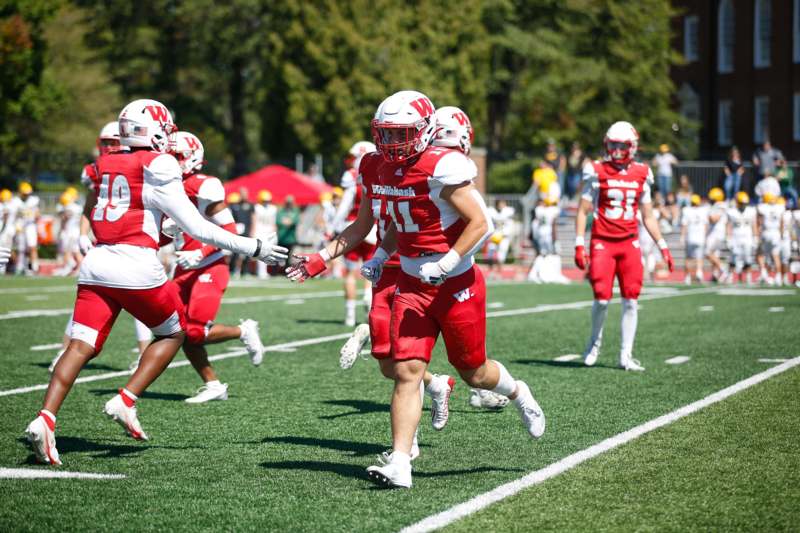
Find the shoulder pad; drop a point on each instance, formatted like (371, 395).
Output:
(454, 168)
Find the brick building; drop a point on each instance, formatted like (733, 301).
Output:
(741, 78)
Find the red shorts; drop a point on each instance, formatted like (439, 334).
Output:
(201, 291)
(362, 252)
(380, 313)
(96, 309)
(622, 259)
(457, 309)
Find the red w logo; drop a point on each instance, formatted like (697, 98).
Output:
(462, 119)
(423, 106)
(159, 113)
(192, 142)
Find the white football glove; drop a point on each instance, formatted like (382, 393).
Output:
(373, 268)
(269, 252)
(169, 228)
(5, 255)
(85, 244)
(189, 259)
(435, 273)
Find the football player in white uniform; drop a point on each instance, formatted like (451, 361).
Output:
(264, 221)
(787, 236)
(546, 267)
(27, 216)
(70, 213)
(694, 224)
(715, 239)
(742, 234)
(770, 221)
(502, 215)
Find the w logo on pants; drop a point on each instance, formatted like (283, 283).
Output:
(463, 296)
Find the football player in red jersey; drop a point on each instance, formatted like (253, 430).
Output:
(137, 188)
(616, 188)
(346, 213)
(439, 220)
(202, 273)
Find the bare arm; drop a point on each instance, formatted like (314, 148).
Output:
(353, 234)
(584, 207)
(466, 200)
(650, 222)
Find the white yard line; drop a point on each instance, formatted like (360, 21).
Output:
(705, 308)
(30, 473)
(776, 309)
(318, 340)
(772, 360)
(568, 357)
(756, 292)
(486, 499)
(43, 347)
(677, 360)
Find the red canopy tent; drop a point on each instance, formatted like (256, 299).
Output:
(281, 182)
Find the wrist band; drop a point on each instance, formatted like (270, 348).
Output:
(258, 248)
(449, 261)
(325, 254)
(661, 244)
(579, 241)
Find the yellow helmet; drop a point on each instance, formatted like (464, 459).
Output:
(497, 237)
(781, 200)
(338, 191)
(769, 198)
(742, 198)
(716, 194)
(233, 198)
(25, 188)
(71, 191)
(65, 198)
(325, 197)
(664, 148)
(5, 195)
(696, 199)
(264, 196)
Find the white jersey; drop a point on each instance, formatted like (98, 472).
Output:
(743, 222)
(787, 219)
(71, 217)
(695, 220)
(28, 210)
(717, 229)
(771, 215)
(503, 220)
(265, 218)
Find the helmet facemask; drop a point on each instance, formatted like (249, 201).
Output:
(399, 142)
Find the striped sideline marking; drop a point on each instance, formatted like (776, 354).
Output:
(319, 340)
(539, 476)
(677, 360)
(30, 473)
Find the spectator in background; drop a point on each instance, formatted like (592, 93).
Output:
(734, 170)
(671, 210)
(683, 197)
(785, 176)
(767, 185)
(574, 170)
(556, 161)
(543, 177)
(663, 163)
(242, 211)
(287, 219)
(315, 174)
(264, 213)
(765, 160)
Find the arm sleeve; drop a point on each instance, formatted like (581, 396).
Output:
(210, 192)
(647, 196)
(590, 184)
(164, 191)
(454, 168)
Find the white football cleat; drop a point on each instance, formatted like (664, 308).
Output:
(591, 354)
(529, 410)
(352, 348)
(626, 362)
(43, 441)
(440, 402)
(251, 340)
(55, 361)
(207, 393)
(390, 474)
(486, 399)
(125, 416)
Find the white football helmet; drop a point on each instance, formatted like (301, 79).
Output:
(621, 142)
(357, 151)
(189, 152)
(147, 124)
(453, 129)
(108, 140)
(404, 125)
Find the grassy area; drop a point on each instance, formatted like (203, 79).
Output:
(288, 450)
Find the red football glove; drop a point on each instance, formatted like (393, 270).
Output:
(308, 267)
(668, 258)
(580, 257)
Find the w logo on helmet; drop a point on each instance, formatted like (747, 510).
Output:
(158, 113)
(192, 142)
(463, 119)
(423, 106)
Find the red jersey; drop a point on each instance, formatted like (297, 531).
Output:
(119, 217)
(203, 191)
(369, 172)
(409, 193)
(616, 194)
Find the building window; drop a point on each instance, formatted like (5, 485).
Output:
(725, 123)
(690, 38)
(796, 30)
(726, 36)
(797, 117)
(762, 33)
(761, 113)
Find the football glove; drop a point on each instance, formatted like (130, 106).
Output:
(435, 273)
(580, 257)
(189, 259)
(85, 244)
(662, 245)
(308, 266)
(373, 268)
(169, 228)
(269, 252)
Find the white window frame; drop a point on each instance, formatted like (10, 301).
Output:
(796, 115)
(724, 55)
(691, 26)
(796, 31)
(762, 48)
(725, 123)
(760, 121)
